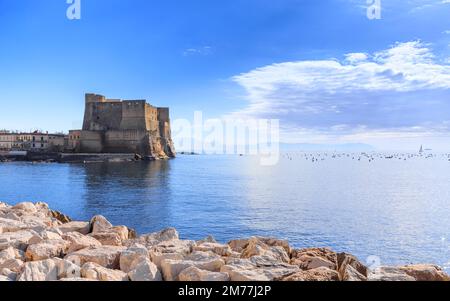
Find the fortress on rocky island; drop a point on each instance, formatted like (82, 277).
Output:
(126, 126)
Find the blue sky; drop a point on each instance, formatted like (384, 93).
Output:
(323, 68)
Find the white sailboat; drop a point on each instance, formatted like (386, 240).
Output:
(421, 149)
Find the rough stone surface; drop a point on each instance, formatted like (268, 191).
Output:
(106, 256)
(130, 257)
(78, 241)
(46, 249)
(45, 270)
(95, 271)
(317, 274)
(196, 274)
(206, 261)
(81, 227)
(38, 244)
(100, 224)
(145, 270)
(308, 259)
(425, 272)
(389, 274)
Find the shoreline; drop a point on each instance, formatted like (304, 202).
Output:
(40, 244)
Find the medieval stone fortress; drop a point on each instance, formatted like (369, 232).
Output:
(113, 129)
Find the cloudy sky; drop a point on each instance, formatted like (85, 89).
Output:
(323, 68)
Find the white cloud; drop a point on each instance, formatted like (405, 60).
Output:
(399, 90)
(354, 58)
(205, 50)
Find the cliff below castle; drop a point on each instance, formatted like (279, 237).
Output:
(126, 126)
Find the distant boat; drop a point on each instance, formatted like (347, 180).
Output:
(421, 149)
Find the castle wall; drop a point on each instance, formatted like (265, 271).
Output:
(133, 115)
(102, 116)
(125, 126)
(91, 141)
(125, 141)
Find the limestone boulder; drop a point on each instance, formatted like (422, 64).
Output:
(81, 227)
(77, 279)
(205, 261)
(9, 274)
(145, 270)
(17, 240)
(238, 245)
(59, 216)
(107, 238)
(100, 224)
(308, 259)
(10, 225)
(317, 274)
(256, 247)
(257, 268)
(78, 241)
(171, 249)
(196, 274)
(95, 271)
(208, 239)
(7, 254)
(153, 239)
(157, 257)
(350, 268)
(389, 274)
(122, 231)
(106, 256)
(130, 257)
(26, 207)
(47, 249)
(425, 272)
(45, 270)
(219, 249)
(5, 279)
(67, 269)
(14, 265)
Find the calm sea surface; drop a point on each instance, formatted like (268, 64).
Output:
(398, 210)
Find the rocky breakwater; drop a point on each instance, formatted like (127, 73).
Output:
(39, 244)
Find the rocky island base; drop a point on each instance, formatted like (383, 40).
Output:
(39, 244)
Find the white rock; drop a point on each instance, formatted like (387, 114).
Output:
(172, 268)
(195, 274)
(130, 257)
(10, 225)
(78, 241)
(100, 224)
(46, 249)
(106, 256)
(153, 239)
(257, 269)
(14, 265)
(389, 274)
(145, 270)
(95, 271)
(220, 249)
(8, 273)
(26, 206)
(81, 227)
(45, 270)
(7, 254)
(67, 269)
(107, 238)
